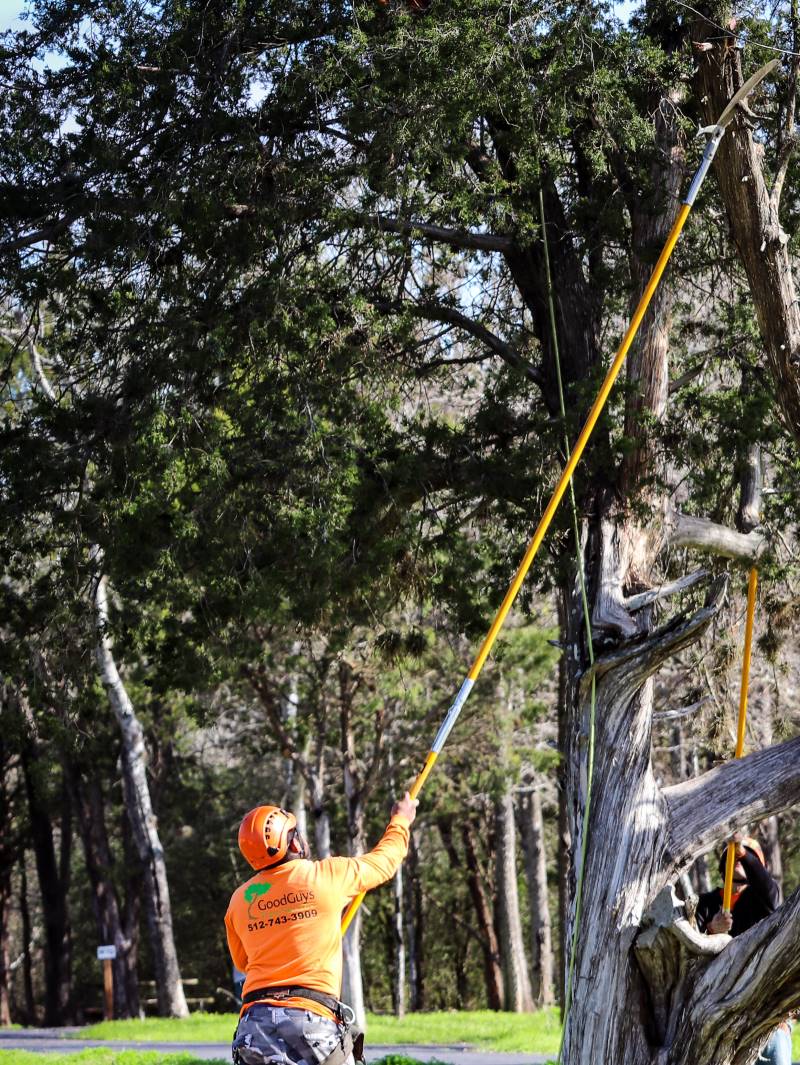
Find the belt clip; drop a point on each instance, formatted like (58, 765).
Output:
(345, 1010)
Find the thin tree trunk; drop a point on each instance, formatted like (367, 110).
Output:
(295, 791)
(399, 939)
(105, 902)
(131, 913)
(415, 918)
(27, 960)
(492, 969)
(9, 845)
(169, 989)
(538, 903)
(564, 844)
(352, 983)
(53, 893)
(5, 935)
(322, 822)
(517, 997)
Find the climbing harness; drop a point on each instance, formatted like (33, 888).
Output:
(716, 134)
(752, 586)
(350, 1037)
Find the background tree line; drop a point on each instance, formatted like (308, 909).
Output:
(281, 402)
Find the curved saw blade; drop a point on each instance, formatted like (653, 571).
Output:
(727, 115)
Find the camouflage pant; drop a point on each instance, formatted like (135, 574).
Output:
(272, 1035)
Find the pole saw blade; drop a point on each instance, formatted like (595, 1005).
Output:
(727, 115)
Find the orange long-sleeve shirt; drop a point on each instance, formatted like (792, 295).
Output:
(283, 925)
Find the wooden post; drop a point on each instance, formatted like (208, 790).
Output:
(108, 989)
(106, 955)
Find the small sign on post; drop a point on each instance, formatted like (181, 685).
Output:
(106, 955)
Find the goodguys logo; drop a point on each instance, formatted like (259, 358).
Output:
(288, 899)
(252, 894)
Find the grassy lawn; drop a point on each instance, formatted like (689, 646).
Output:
(535, 1033)
(102, 1056)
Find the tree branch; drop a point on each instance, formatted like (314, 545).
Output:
(663, 591)
(437, 312)
(713, 805)
(641, 656)
(47, 233)
(684, 530)
(744, 992)
(457, 238)
(681, 711)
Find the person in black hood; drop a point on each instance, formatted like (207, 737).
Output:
(755, 892)
(755, 895)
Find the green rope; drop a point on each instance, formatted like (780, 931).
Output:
(590, 645)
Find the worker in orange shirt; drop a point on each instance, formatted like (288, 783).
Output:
(284, 931)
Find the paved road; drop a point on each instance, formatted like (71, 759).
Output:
(50, 1039)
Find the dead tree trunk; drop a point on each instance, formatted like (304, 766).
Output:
(640, 836)
(752, 203)
(532, 825)
(169, 989)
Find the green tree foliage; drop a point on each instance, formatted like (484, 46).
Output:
(281, 265)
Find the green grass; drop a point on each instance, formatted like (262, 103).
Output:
(535, 1033)
(103, 1056)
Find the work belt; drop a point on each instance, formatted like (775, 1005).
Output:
(352, 1038)
(278, 994)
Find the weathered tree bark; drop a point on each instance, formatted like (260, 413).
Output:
(532, 825)
(753, 207)
(169, 989)
(517, 997)
(89, 805)
(725, 1009)
(641, 836)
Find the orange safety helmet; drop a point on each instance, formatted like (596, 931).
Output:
(751, 844)
(265, 835)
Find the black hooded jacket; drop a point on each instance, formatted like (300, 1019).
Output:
(758, 900)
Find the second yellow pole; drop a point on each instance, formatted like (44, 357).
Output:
(752, 587)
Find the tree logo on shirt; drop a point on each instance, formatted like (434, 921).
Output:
(253, 893)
